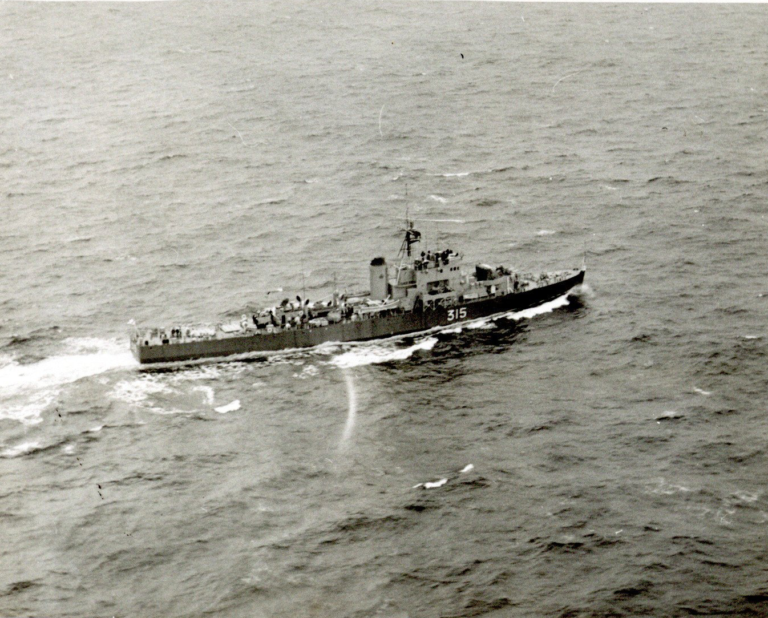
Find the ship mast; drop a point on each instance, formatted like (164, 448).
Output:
(412, 236)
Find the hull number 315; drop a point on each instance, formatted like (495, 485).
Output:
(457, 314)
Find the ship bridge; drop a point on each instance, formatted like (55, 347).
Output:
(425, 278)
(430, 277)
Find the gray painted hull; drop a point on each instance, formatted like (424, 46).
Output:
(361, 330)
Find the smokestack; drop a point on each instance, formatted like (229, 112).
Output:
(379, 282)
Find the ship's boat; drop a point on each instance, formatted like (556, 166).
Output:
(419, 292)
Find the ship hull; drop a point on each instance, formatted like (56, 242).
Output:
(361, 330)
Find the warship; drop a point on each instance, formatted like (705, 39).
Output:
(418, 292)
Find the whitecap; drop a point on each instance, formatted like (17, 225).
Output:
(747, 496)
(545, 232)
(701, 391)
(437, 198)
(435, 484)
(467, 468)
(230, 407)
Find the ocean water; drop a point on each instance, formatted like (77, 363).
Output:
(604, 455)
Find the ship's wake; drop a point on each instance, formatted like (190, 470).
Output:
(372, 354)
(26, 390)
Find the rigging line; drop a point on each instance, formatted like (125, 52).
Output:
(238, 133)
(565, 77)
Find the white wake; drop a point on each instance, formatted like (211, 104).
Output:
(26, 390)
(374, 354)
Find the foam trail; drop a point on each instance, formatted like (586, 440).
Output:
(26, 390)
(379, 354)
(352, 405)
(138, 391)
(57, 371)
(28, 412)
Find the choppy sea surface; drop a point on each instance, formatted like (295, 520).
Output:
(603, 456)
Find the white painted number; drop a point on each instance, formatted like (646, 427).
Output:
(459, 313)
